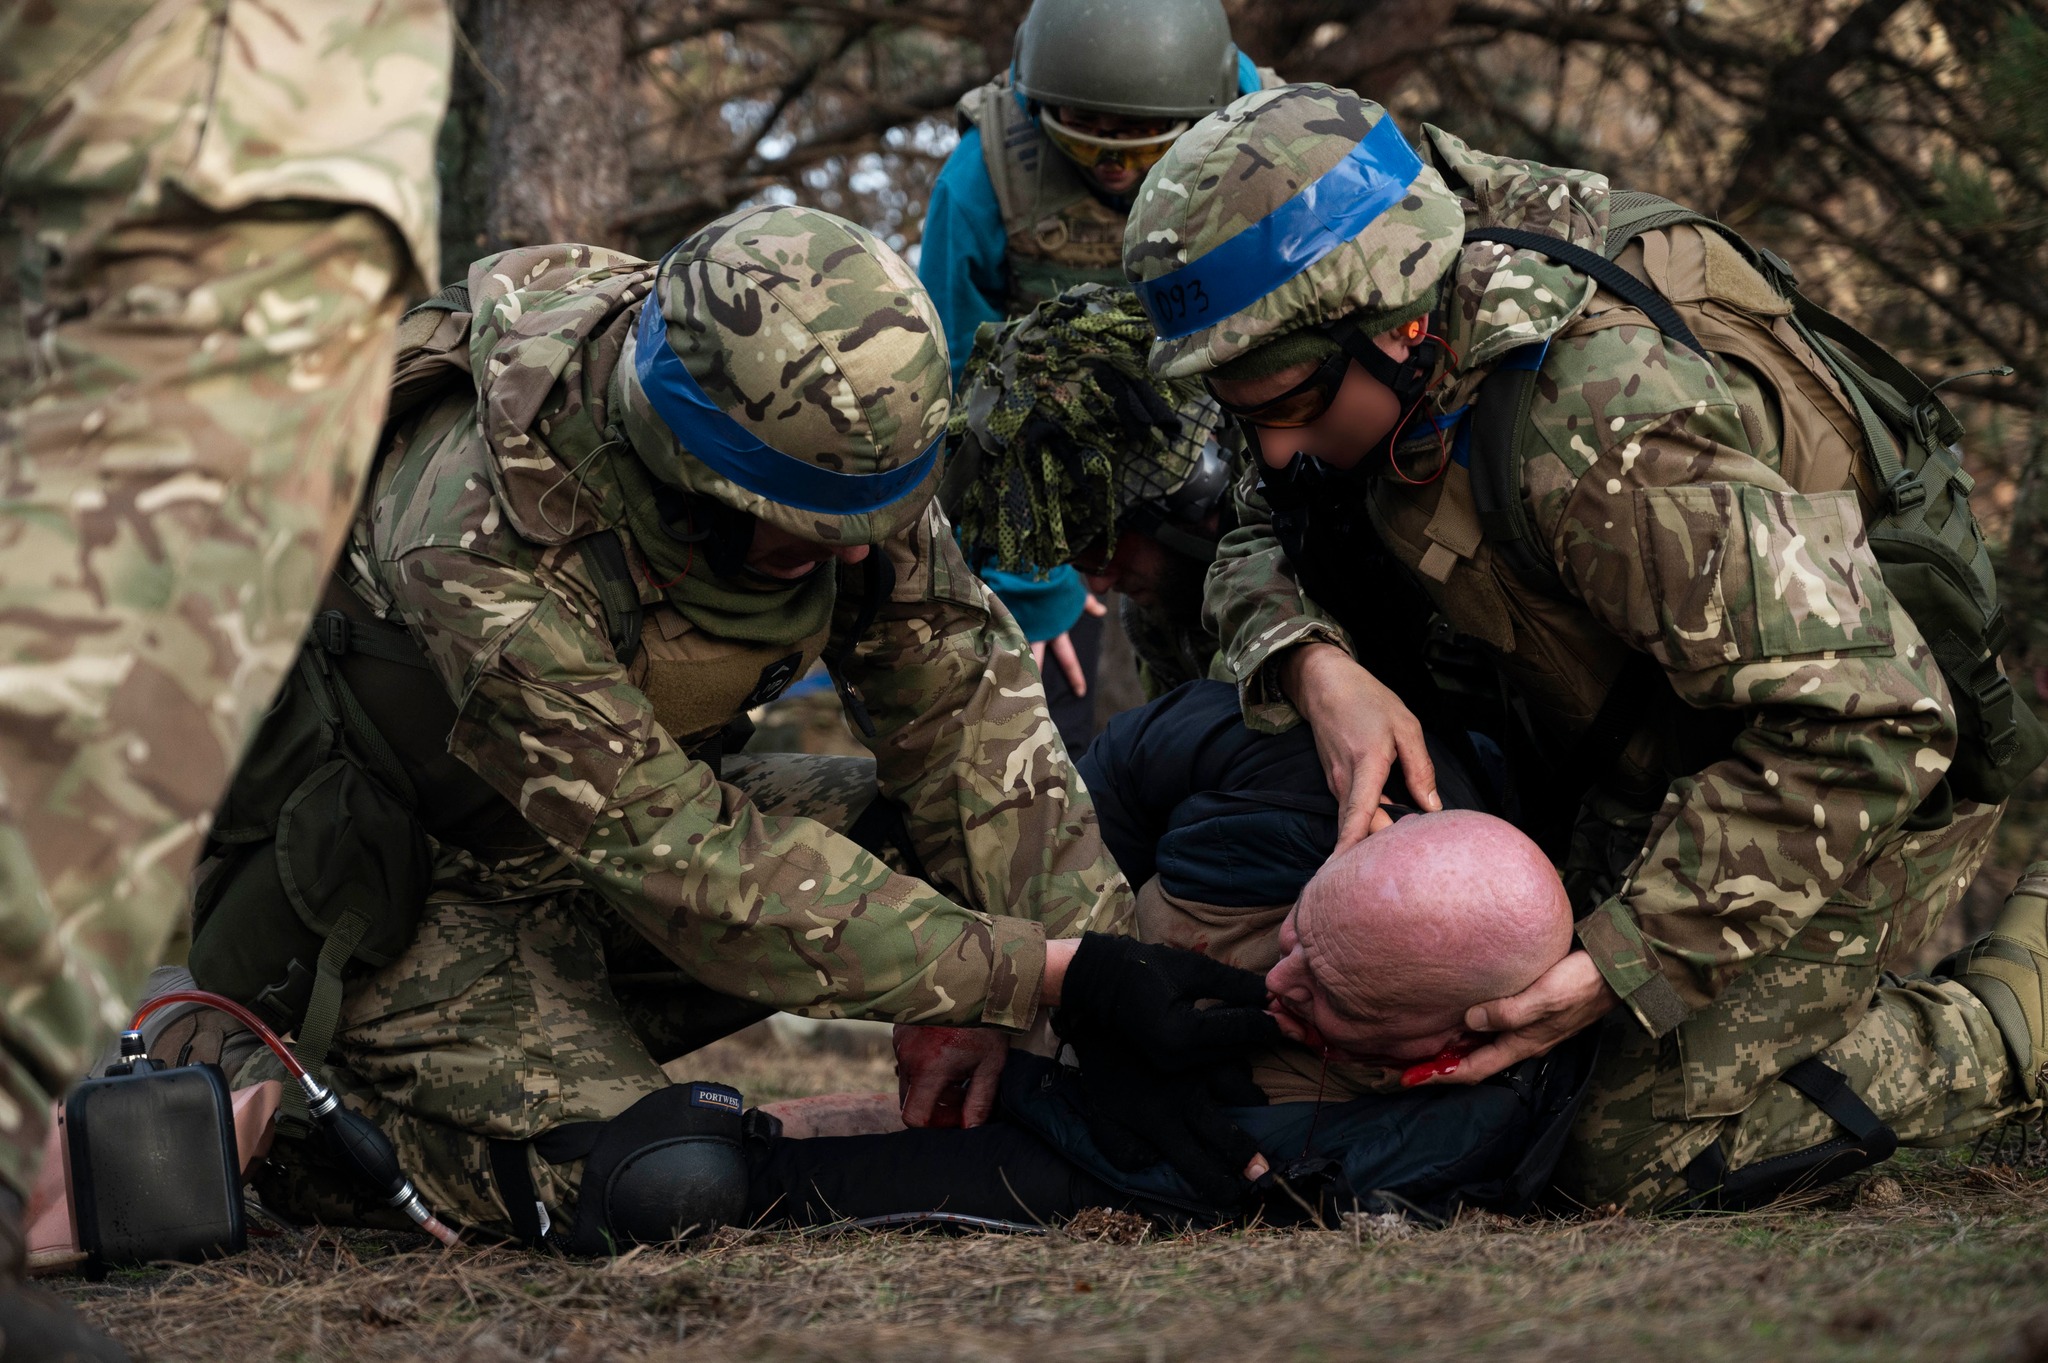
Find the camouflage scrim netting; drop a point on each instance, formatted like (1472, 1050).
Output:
(1070, 429)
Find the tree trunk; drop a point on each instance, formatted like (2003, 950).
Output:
(557, 94)
(464, 156)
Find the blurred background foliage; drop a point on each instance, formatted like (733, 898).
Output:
(1895, 151)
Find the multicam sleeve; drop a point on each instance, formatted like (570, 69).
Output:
(779, 910)
(1752, 597)
(964, 741)
(1258, 611)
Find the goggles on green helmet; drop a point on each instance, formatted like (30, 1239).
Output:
(736, 453)
(1094, 151)
(1338, 206)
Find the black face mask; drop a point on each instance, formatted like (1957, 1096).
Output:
(1409, 380)
(1305, 481)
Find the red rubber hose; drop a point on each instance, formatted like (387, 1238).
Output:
(233, 1010)
(411, 1205)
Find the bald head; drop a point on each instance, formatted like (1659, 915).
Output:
(1397, 936)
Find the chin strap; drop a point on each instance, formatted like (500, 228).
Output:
(1410, 380)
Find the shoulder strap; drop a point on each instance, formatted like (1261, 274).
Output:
(605, 558)
(316, 1031)
(339, 635)
(878, 579)
(433, 353)
(1883, 391)
(454, 298)
(1603, 272)
(993, 110)
(1501, 435)
(1633, 213)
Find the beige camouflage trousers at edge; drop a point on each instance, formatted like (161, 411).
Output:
(1924, 1054)
(508, 1018)
(191, 396)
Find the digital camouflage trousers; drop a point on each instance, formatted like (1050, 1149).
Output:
(1923, 1054)
(506, 1019)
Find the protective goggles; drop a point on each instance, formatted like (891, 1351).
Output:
(1305, 403)
(1098, 153)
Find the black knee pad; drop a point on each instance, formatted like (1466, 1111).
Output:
(667, 1168)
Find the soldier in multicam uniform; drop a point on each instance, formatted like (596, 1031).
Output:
(1738, 906)
(748, 432)
(214, 212)
(1034, 201)
(1062, 449)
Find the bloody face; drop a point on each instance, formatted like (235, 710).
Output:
(1301, 998)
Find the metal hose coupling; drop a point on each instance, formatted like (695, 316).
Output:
(356, 1141)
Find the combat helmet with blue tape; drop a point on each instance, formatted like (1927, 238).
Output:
(1289, 210)
(790, 366)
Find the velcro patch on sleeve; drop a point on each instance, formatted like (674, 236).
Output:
(1742, 573)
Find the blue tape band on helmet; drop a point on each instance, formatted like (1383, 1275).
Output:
(732, 451)
(1341, 203)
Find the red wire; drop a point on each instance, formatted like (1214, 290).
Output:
(689, 561)
(1443, 447)
(233, 1010)
(426, 1219)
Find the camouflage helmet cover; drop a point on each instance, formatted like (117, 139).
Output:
(1292, 208)
(795, 370)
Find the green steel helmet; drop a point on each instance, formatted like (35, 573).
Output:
(1061, 438)
(1294, 208)
(1144, 58)
(790, 366)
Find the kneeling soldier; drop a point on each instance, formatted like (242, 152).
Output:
(620, 503)
(1607, 438)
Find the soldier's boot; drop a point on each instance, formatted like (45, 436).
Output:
(2007, 969)
(37, 1326)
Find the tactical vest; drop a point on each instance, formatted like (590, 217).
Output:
(1059, 233)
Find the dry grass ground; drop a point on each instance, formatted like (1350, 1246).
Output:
(1930, 1260)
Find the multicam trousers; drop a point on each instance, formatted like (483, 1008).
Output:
(509, 1018)
(191, 397)
(1923, 1054)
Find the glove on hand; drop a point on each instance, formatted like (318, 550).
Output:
(1140, 1117)
(1142, 998)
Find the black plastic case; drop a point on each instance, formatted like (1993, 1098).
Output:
(154, 1169)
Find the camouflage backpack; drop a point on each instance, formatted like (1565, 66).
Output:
(1915, 493)
(317, 861)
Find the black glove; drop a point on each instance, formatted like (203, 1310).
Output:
(1122, 992)
(1139, 1117)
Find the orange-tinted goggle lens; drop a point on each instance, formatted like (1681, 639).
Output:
(1092, 152)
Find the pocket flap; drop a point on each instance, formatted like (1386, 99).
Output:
(345, 843)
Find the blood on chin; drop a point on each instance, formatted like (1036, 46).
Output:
(1303, 1032)
(1442, 1063)
(1295, 1027)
